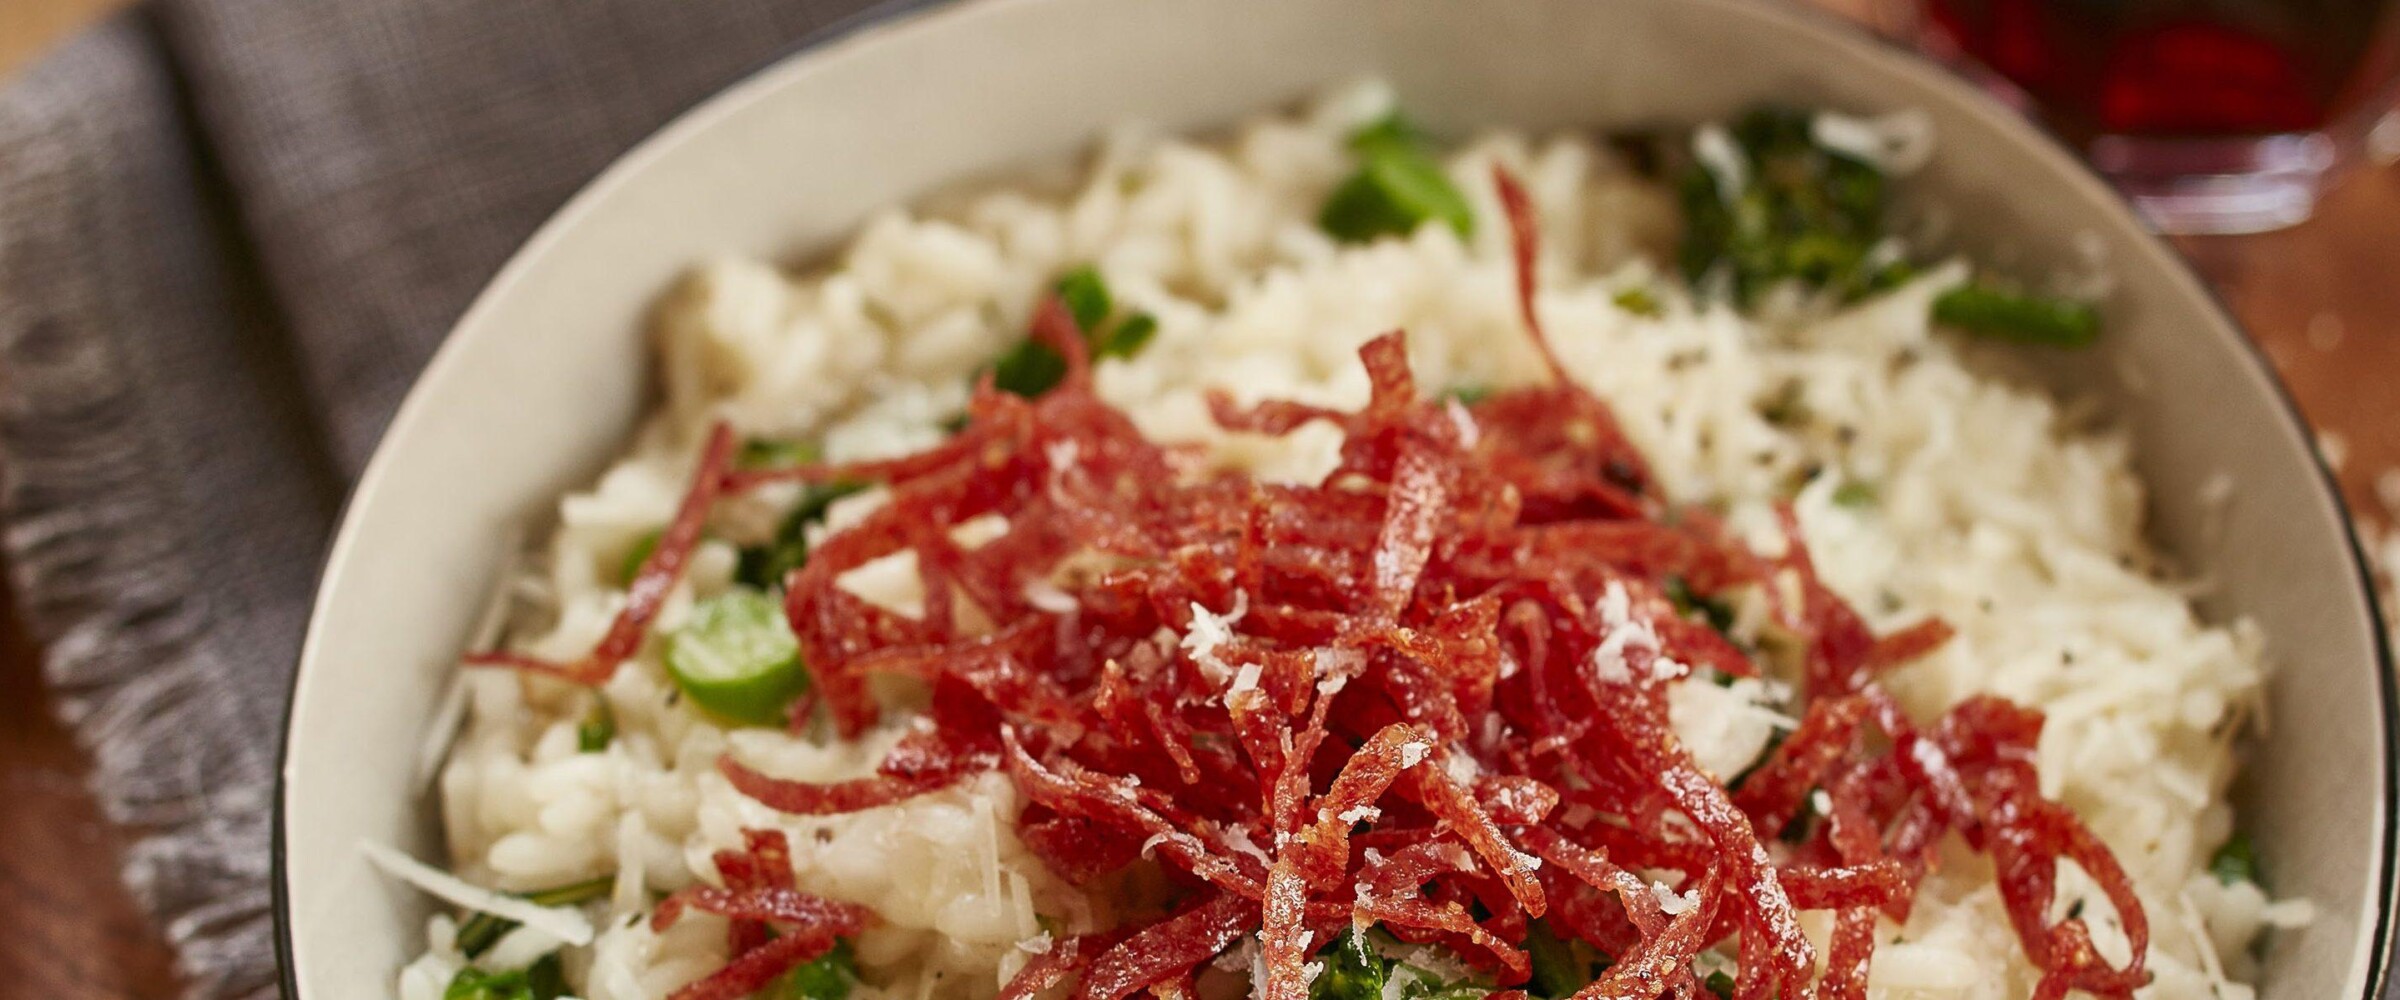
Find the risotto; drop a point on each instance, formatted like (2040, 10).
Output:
(1386, 571)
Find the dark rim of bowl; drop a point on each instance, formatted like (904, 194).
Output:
(2387, 892)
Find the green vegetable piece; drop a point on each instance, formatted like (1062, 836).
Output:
(475, 984)
(1392, 131)
(768, 453)
(1469, 395)
(2025, 319)
(1128, 338)
(1775, 738)
(1718, 614)
(737, 659)
(1639, 302)
(597, 729)
(478, 933)
(2237, 861)
(635, 557)
(1422, 984)
(1854, 494)
(1562, 965)
(1393, 192)
(1806, 213)
(1890, 276)
(1774, 128)
(765, 566)
(542, 980)
(827, 977)
(1398, 186)
(1804, 820)
(546, 979)
(1353, 970)
(1557, 971)
(1032, 368)
(1029, 369)
(1720, 984)
(1087, 298)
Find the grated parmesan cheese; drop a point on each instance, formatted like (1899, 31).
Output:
(567, 925)
(1714, 148)
(1210, 630)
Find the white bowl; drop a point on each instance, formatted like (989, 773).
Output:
(543, 380)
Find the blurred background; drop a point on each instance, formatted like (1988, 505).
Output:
(79, 933)
(2259, 133)
(28, 26)
(2213, 116)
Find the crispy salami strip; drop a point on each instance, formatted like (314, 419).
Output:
(651, 584)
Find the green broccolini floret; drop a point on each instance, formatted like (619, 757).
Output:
(1854, 494)
(1353, 970)
(1399, 186)
(1765, 203)
(1718, 614)
(540, 981)
(1562, 965)
(2026, 319)
(1785, 209)
(1468, 395)
(636, 556)
(765, 565)
(2237, 861)
(1032, 368)
(1371, 964)
(827, 977)
(1640, 302)
(597, 729)
(1086, 296)
(775, 453)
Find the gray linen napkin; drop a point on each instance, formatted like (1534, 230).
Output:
(230, 233)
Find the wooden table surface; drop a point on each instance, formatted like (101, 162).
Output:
(29, 26)
(2323, 298)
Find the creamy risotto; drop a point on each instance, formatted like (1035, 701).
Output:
(1987, 538)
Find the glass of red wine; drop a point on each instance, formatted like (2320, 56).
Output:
(2212, 116)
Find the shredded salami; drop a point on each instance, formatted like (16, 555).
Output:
(1168, 950)
(657, 577)
(772, 927)
(1066, 958)
(1428, 693)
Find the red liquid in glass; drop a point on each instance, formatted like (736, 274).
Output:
(2173, 67)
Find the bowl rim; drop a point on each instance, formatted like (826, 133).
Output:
(885, 18)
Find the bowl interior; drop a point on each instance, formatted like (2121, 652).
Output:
(544, 378)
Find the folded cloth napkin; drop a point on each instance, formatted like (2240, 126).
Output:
(230, 233)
